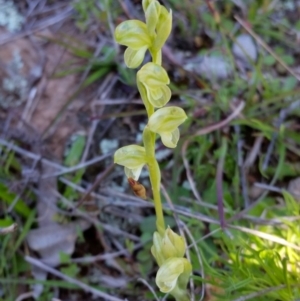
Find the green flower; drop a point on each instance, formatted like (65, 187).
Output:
(133, 34)
(168, 246)
(133, 158)
(165, 122)
(163, 28)
(154, 79)
(159, 22)
(156, 249)
(173, 276)
(152, 10)
(173, 244)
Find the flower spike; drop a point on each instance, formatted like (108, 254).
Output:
(165, 122)
(155, 80)
(152, 15)
(133, 158)
(134, 35)
(163, 28)
(168, 248)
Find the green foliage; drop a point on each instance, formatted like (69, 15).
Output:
(238, 265)
(254, 268)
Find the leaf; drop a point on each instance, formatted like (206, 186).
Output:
(30, 220)
(9, 197)
(76, 149)
(64, 258)
(95, 76)
(72, 270)
(5, 222)
(269, 60)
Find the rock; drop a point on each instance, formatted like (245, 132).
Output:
(294, 188)
(213, 67)
(245, 49)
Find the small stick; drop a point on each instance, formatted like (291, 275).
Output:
(69, 279)
(243, 179)
(10, 229)
(219, 182)
(98, 180)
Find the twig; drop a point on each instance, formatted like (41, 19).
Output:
(243, 180)
(151, 289)
(198, 216)
(264, 45)
(69, 279)
(10, 229)
(78, 166)
(178, 209)
(137, 202)
(31, 13)
(221, 124)
(36, 157)
(219, 182)
(206, 236)
(254, 152)
(125, 9)
(25, 296)
(268, 187)
(29, 154)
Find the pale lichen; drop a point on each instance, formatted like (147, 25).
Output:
(14, 87)
(10, 18)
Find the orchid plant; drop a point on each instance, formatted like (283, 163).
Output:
(152, 81)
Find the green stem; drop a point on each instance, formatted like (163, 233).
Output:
(184, 297)
(156, 56)
(155, 178)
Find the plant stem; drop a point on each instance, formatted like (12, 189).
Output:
(154, 170)
(156, 57)
(155, 177)
(180, 294)
(155, 183)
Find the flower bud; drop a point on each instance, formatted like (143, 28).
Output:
(156, 249)
(152, 14)
(163, 28)
(133, 58)
(173, 244)
(133, 158)
(146, 3)
(170, 245)
(133, 34)
(155, 80)
(165, 122)
(173, 276)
